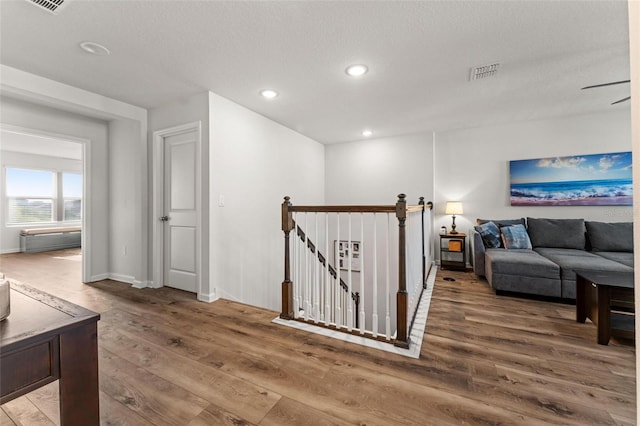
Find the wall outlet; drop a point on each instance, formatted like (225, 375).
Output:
(221, 201)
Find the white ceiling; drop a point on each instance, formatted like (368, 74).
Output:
(419, 54)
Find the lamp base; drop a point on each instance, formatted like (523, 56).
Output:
(453, 226)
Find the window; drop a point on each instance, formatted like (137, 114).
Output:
(72, 194)
(42, 196)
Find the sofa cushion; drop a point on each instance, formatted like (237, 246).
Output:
(570, 259)
(515, 237)
(617, 256)
(610, 236)
(556, 233)
(502, 222)
(521, 263)
(490, 234)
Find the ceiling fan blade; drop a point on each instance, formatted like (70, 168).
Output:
(622, 100)
(606, 84)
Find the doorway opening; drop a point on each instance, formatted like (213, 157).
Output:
(43, 185)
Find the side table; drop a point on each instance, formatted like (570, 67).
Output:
(46, 339)
(453, 251)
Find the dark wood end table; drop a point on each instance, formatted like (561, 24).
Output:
(453, 254)
(607, 299)
(46, 339)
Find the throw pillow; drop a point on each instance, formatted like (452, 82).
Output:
(515, 237)
(490, 234)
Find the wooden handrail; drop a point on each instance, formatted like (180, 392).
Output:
(415, 209)
(343, 209)
(356, 208)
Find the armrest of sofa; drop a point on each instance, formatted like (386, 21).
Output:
(477, 253)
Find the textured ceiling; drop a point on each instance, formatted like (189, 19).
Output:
(419, 54)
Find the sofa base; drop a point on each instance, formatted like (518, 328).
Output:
(527, 285)
(522, 271)
(528, 296)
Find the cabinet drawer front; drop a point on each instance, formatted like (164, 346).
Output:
(27, 368)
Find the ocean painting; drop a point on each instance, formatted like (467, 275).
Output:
(583, 180)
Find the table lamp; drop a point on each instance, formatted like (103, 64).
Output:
(453, 208)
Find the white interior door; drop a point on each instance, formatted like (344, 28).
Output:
(180, 211)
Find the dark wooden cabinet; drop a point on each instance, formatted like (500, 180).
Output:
(453, 252)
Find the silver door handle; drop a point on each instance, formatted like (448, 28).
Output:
(164, 218)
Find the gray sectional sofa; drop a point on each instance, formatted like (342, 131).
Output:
(557, 248)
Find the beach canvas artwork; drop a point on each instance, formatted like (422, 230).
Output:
(581, 180)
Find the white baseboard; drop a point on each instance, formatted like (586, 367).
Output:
(98, 277)
(122, 278)
(211, 297)
(142, 284)
(9, 251)
(151, 284)
(115, 277)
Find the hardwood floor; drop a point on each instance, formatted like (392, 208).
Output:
(167, 359)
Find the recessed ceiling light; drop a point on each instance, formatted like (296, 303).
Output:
(268, 93)
(366, 133)
(356, 70)
(94, 48)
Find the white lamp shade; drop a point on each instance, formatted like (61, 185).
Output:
(453, 207)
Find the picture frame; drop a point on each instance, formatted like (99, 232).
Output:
(348, 254)
(579, 180)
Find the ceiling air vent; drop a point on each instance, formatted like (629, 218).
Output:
(53, 6)
(483, 71)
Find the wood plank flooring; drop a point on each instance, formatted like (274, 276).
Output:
(167, 359)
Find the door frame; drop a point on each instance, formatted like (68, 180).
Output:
(157, 231)
(85, 144)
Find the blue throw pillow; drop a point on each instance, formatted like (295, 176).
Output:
(515, 237)
(490, 234)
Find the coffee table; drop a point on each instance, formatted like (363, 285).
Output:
(46, 339)
(606, 298)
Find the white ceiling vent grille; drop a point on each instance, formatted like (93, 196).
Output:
(483, 71)
(53, 6)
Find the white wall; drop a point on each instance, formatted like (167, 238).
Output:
(375, 171)
(125, 189)
(472, 165)
(254, 163)
(10, 235)
(31, 116)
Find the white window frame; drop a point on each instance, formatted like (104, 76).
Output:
(57, 200)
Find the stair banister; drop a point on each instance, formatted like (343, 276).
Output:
(287, 288)
(424, 260)
(402, 339)
(325, 297)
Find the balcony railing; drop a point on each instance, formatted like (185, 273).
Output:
(357, 269)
